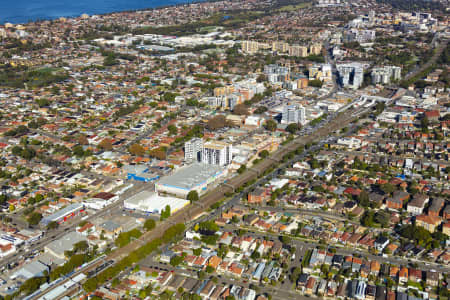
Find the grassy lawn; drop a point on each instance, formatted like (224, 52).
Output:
(295, 7)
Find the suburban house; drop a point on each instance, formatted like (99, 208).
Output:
(428, 222)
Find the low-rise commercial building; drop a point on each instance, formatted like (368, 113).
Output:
(150, 202)
(64, 214)
(195, 177)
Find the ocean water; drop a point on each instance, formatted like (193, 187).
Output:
(22, 11)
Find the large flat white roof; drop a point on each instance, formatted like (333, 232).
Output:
(152, 202)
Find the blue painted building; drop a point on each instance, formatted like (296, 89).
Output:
(140, 173)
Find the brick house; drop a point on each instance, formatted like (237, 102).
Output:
(258, 196)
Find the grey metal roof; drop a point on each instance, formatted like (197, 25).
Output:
(65, 243)
(191, 176)
(32, 269)
(110, 226)
(62, 212)
(135, 169)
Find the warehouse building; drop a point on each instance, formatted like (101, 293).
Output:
(101, 200)
(64, 214)
(58, 247)
(195, 177)
(30, 270)
(151, 202)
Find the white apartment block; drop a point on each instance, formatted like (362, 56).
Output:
(217, 153)
(193, 150)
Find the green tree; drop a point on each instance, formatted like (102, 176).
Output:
(263, 154)
(255, 255)
(201, 275)
(169, 97)
(32, 284)
(16, 150)
(192, 196)
(110, 61)
(90, 285)
(28, 153)
(208, 226)
(387, 188)
(149, 224)
(210, 239)
(315, 83)
(125, 237)
(42, 102)
(424, 124)
(38, 198)
(3, 198)
(382, 218)
(270, 125)
(176, 260)
(241, 169)
(367, 218)
(165, 213)
(52, 225)
(292, 128)
(34, 218)
(142, 294)
(78, 151)
(285, 240)
(172, 129)
(260, 110)
(81, 246)
(363, 199)
(415, 233)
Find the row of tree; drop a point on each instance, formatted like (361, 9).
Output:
(125, 238)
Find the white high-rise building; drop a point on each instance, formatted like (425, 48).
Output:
(293, 114)
(276, 74)
(193, 150)
(217, 153)
(384, 74)
(351, 75)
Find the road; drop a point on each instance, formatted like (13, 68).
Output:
(330, 60)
